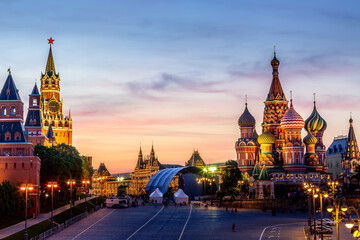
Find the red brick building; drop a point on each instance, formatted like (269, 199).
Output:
(17, 161)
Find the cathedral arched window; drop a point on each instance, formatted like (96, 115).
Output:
(52, 81)
(12, 111)
(66, 124)
(60, 124)
(3, 111)
(53, 123)
(47, 81)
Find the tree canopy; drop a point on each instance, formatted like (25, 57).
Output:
(60, 163)
(231, 175)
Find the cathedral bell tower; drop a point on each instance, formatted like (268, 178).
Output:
(51, 105)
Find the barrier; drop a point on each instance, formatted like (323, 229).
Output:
(62, 226)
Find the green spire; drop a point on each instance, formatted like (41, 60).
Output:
(50, 66)
(264, 175)
(256, 171)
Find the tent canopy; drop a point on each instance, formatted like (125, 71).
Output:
(156, 193)
(180, 193)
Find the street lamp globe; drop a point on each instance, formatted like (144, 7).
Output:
(350, 223)
(329, 208)
(344, 208)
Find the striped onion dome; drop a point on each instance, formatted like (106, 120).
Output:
(292, 119)
(315, 123)
(246, 119)
(310, 139)
(266, 138)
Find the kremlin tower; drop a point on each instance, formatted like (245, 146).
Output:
(52, 105)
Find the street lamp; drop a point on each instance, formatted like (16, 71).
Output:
(71, 183)
(85, 182)
(322, 195)
(52, 185)
(333, 187)
(339, 209)
(26, 188)
(350, 223)
(314, 191)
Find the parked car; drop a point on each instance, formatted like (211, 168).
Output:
(117, 202)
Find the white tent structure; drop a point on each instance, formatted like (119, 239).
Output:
(181, 197)
(156, 196)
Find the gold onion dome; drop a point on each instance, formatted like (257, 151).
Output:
(292, 119)
(246, 119)
(266, 138)
(315, 123)
(310, 139)
(275, 61)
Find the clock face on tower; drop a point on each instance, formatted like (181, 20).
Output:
(53, 106)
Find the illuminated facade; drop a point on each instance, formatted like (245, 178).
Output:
(288, 158)
(17, 161)
(145, 168)
(52, 106)
(352, 155)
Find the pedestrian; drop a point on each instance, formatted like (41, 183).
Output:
(234, 227)
(235, 210)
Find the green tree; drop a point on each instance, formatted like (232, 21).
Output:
(11, 199)
(231, 175)
(86, 168)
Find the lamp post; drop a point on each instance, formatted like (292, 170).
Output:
(336, 205)
(333, 187)
(85, 182)
(26, 188)
(71, 182)
(212, 170)
(322, 195)
(313, 190)
(350, 223)
(52, 185)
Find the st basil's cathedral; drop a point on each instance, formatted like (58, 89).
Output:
(279, 156)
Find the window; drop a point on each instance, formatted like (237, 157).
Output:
(20, 153)
(17, 136)
(34, 101)
(6, 154)
(7, 136)
(52, 81)
(6, 165)
(14, 165)
(3, 111)
(23, 165)
(12, 111)
(31, 165)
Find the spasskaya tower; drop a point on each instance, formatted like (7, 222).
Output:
(51, 104)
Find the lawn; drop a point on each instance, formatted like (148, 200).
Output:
(7, 221)
(32, 231)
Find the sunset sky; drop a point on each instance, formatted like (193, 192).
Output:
(175, 73)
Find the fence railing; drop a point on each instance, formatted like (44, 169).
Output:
(62, 226)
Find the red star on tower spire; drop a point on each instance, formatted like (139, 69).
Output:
(51, 41)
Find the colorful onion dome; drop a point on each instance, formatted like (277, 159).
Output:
(315, 123)
(246, 119)
(292, 119)
(310, 139)
(266, 138)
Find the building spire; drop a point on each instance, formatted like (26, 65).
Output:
(352, 149)
(50, 66)
(291, 98)
(245, 100)
(275, 92)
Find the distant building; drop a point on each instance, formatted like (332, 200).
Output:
(17, 161)
(352, 155)
(195, 160)
(335, 155)
(100, 178)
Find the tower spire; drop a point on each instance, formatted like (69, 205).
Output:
(275, 92)
(50, 66)
(245, 100)
(291, 98)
